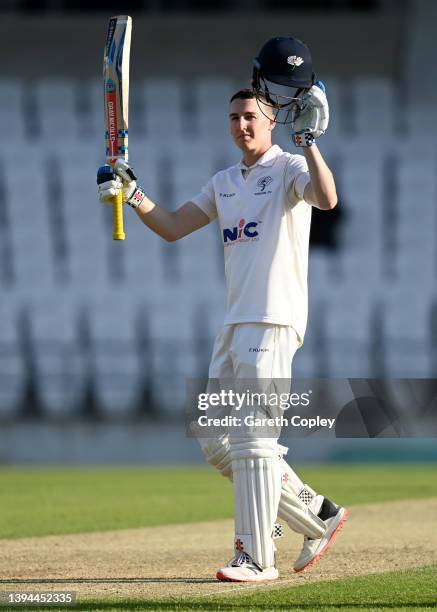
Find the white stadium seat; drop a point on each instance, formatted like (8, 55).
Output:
(12, 122)
(420, 121)
(212, 99)
(61, 374)
(416, 219)
(374, 100)
(361, 181)
(57, 111)
(349, 333)
(13, 376)
(406, 333)
(163, 110)
(27, 201)
(118, 373)
(173, 358)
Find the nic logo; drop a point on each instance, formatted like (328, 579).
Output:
(262, 183)
(242, 233)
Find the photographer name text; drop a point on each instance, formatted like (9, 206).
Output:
(279, 421)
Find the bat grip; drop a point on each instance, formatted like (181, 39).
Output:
(117, 208)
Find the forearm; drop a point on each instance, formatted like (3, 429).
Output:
(158, 219)
(168, 225)
(324, 193)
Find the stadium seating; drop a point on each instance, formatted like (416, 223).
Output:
(115, 358)
(12, 119)
(13, 370)
(348, 333)
(374, 102)
(86, 321)
(59, 356)
(406, 332)
(56, 109)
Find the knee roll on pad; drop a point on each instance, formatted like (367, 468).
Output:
(216, 451)
(256, 448)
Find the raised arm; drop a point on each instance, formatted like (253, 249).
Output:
(320, 191)
(310, 123)
(169, 225)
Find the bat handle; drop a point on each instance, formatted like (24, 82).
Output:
(105, 173)
(117, 209)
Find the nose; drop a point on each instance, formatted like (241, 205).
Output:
(242, 124)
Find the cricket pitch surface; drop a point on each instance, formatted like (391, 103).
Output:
(180, 561)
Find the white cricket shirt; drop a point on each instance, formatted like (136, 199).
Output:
(265, 226)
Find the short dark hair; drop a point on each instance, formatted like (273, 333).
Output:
(243, 94)
(247, 94)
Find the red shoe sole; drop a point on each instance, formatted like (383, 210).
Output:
(328, 543)
(223, 578)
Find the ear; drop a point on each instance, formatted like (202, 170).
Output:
(272, 124)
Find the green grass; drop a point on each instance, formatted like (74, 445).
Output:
(36, 502)
(412, 590)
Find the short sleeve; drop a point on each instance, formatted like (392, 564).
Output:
(296, 178)
(205, 200)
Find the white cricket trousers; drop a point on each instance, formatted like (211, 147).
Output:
(262, 354)
(254, 350)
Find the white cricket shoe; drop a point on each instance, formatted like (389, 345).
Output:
(242, 568)
(312, 550)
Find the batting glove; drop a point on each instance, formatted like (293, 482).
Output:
(121, 177)
(312, 120)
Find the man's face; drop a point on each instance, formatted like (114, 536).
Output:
(250, 128)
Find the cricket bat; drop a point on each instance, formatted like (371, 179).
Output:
(116, 100)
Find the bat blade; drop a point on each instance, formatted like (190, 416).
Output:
(116, 102)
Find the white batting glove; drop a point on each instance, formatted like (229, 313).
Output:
(108, 184)
(312, 121)
(122, 178)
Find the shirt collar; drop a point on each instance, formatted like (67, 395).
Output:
(265, 160)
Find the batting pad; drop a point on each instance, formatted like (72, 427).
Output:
(297, 503)
(257, 488)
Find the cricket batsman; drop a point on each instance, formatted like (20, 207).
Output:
(268, 196)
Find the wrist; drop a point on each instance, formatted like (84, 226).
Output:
(146, 206)
(137, 197)
(310, 152)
